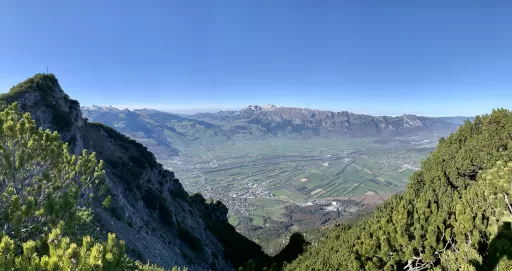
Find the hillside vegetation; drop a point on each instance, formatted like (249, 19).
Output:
(45, 204)
(454, 215)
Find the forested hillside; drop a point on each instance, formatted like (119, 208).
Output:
(454, 215)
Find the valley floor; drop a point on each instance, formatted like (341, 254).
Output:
(261, 182)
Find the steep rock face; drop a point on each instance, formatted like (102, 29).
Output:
(282, 120)
(150, 210)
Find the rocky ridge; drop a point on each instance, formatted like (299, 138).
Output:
(278, 120)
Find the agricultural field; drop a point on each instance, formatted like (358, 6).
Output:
(258, 179)
(297, 171)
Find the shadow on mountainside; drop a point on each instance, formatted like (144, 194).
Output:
(499, 247)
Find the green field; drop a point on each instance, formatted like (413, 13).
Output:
(257, 179)
(295, 171)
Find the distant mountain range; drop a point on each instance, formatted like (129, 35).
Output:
(166, 133)
(159, 131)
(277, 120)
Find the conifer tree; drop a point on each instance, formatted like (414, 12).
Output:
(45, 204)
(41, 183)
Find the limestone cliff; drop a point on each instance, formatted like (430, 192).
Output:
(277, 120)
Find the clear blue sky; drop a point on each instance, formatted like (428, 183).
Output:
(376, 57)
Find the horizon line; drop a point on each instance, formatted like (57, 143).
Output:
(216, 109)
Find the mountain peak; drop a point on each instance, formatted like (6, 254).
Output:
(269, 106)
(102, 107)
(252, 107)
(51, 108)
(46, 84)
(257, 107)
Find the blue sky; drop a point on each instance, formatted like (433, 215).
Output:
(375, 57)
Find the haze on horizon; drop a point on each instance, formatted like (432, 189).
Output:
(432, 58)
(217, 108)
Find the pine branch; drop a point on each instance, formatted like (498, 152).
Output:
(508, 204)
